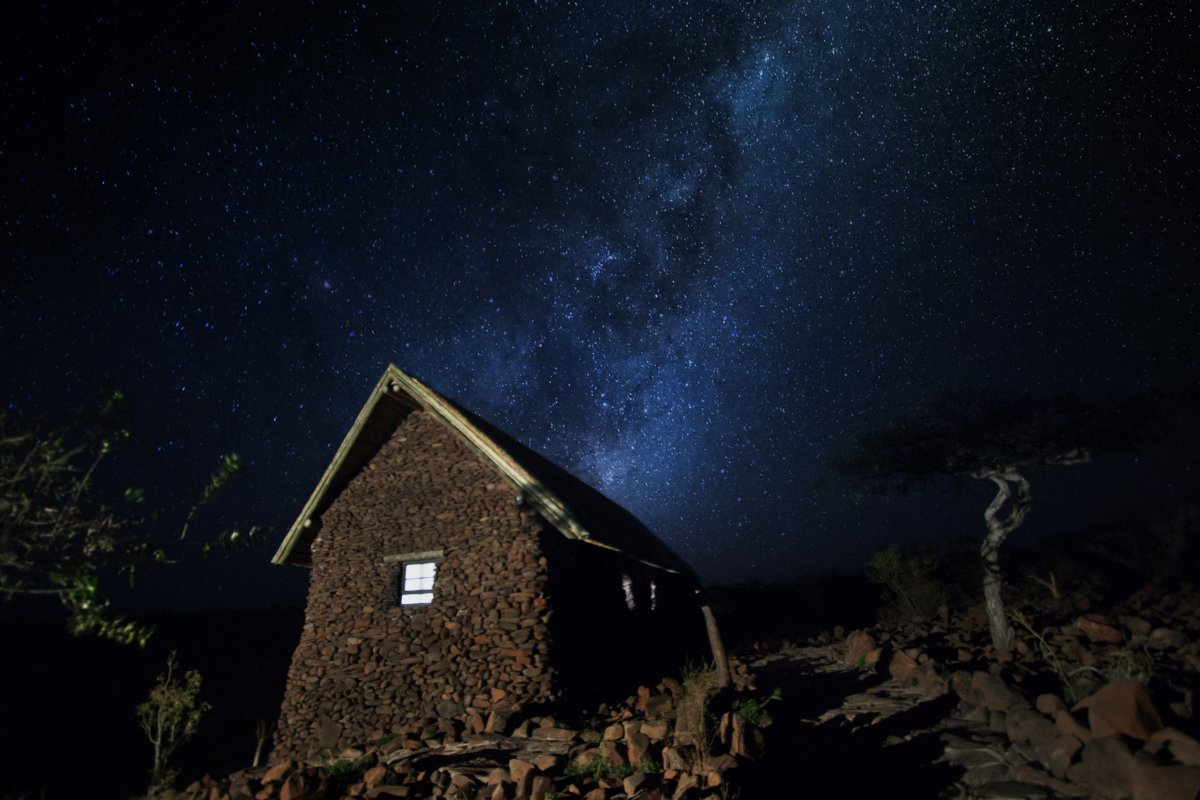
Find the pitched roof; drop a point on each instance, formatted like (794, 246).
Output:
(577, 510)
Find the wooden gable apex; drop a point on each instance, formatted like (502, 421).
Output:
(394, 397)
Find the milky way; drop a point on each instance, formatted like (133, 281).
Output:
(686, 250)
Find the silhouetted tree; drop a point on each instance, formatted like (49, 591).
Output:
(995, 437)
(59, 535)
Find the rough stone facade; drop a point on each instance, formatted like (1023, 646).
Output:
(492, 639)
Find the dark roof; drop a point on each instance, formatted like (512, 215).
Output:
(573, 507)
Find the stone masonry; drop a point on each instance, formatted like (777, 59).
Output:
(365, 667)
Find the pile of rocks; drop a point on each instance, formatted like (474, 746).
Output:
(648, 747)
(1101, 706)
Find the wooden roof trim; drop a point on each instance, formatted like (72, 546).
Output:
(546, 503)
(538, 496)
(283, 554)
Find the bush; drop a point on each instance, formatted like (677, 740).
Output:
(911, 590)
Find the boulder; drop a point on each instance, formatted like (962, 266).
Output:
(1184, 748)
(1121, 707)
(861, 649)
(1106, 767)
(994, 693)
(902, 667)
(1154, 781)
(1057, 753)
(1096, 629)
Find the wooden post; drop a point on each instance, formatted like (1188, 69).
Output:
(718, 647)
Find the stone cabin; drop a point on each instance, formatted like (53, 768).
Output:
(456, 572)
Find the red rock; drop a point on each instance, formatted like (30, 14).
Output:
(276, 773)
(1107, 767)
(994, 694)
(522, 775)
(1049, 704)
(1066, 724)
(546, 762)
(1184, 748)
(861, 649)
(639, 746)
(541, 787)
(1025, 724)
(1121, 707)
(1057, 752)
(656, 730)
(296, 786)
(1099, 631)
(658, 706)
(1168, 637)
(1155, 781)
(374, 776)
(554, 734)
(902, 667)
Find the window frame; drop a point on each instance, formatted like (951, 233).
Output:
(402, 595)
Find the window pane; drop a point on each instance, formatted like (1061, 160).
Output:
(418, 582)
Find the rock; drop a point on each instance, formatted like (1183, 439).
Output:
(674, 759)
(1121, 707)
(632, 783)
(1097, 630)
(551, 734)
(1065, 723)
(1049, 704)
(994, 694)
(521, 773)
(658, 706)
(639, 746)
(448, 709)
(902, 667)
(686, 787)
(1136, 625)
(1107, 767)
(497, 722)
(546, 762)
(1025, 724)
(1010, 790)
(1059, 788)
(614, 732)
(297, 786)
(541, 787)
(861, 649)
(1184, 748)
(1163, 781)
(374, 776)
(497, 776)
(276, 773)
(1168, 637)
(656, 730)
(1057, 752)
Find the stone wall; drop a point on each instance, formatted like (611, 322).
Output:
(365, 667)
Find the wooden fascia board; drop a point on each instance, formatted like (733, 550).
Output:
(544, 501)
(283, 554)
(541, 499)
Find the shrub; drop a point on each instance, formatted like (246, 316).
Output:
(910, 587)
(169, 718)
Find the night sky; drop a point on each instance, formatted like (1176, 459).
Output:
(686, 250)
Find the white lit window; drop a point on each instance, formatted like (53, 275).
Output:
(416, 584)
(653, 597)
(627, 587)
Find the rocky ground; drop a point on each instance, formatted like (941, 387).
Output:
(1097, 704)
(1091, 702)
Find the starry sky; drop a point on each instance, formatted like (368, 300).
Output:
(686, 250)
